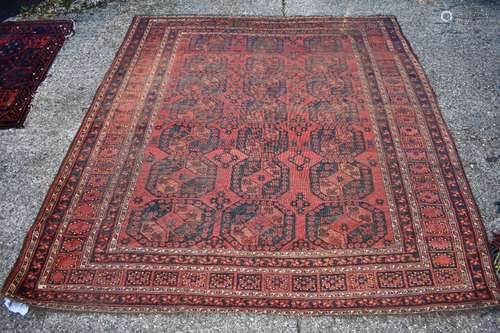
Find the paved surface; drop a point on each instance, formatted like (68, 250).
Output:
(460, 58)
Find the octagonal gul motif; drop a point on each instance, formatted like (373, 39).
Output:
(265, 89)
(209, 43)
(339, 143)
(322, 44)
(202, 110)
(206, 64)
(257, 225)
(260, 178)
(182, 177)
(204, 85)
(262, 142)
(331, 113)
(181, 139)
(332, 180)
(321, 64)
(265, 44)
(326, 88)
(271, 112)
(339, 226)
(171, 223)
(328, 78)
(263, 65)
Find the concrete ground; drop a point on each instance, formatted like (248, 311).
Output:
(460, 58)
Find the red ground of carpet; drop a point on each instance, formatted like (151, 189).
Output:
(260, 164)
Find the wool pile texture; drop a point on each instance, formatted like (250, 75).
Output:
(293, 165)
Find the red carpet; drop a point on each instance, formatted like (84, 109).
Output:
(260, 164)
(27, 50)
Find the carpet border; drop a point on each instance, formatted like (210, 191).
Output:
(87, 122)
(169, 309)
(454, 150)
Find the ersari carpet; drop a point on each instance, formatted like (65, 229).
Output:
(296, 165)
(27, 49)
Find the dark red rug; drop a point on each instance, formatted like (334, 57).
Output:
(260, 164)
(27, 49)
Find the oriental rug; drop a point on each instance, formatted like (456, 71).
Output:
(27, 49)
(296, 165)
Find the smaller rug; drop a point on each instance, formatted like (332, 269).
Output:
(27, 49)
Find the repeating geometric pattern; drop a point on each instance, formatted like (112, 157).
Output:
(27, 50)
(294, 165)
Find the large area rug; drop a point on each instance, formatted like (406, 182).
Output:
(295, 165)
(27, 49)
